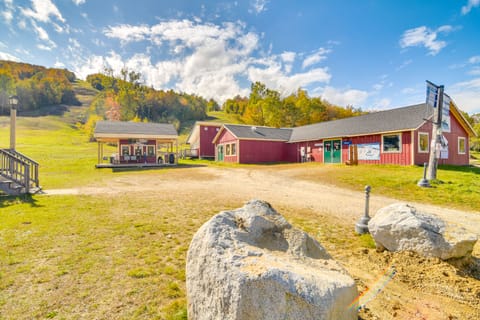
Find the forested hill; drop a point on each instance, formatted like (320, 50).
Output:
(35, 86)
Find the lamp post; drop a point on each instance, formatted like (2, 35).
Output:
(13, 101)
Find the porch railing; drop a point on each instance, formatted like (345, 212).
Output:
(19, 168)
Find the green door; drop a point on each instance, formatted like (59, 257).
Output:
(220, 153)
(332, 151)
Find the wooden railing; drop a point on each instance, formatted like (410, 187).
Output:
(19, 169)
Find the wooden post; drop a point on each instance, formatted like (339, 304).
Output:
(13, 120)
(436, 137)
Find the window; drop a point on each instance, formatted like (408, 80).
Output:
(462, 145)
(392, 143)
(423, 142)
(234, 149)
(125, 150)
(227, 149)
(151, 150)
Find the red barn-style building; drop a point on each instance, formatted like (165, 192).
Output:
(200, 139)
(252, 144)
(399, 136)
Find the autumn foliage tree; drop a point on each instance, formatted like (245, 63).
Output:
(266, 107)
(36, 86)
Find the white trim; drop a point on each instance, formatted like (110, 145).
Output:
(464, 145)
(399, 134)
(428, 142)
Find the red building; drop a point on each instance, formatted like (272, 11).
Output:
(252, 144)
(137, 143)
(399, 136)
(200, 139)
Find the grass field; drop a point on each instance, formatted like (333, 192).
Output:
(123, 256)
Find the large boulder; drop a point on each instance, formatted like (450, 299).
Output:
(250, 263)
(401, 227)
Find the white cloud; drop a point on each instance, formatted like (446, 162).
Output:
(128, 33)
(42, 11)
(59, 65)
(467, 95)
(259, 6)
(8, 56)
(474, 59)
(44, 47)
(43, 36)
(288, 56)
(382, 104)
(470, 5)
(316, 57)
(424, 37)
(475, 71)
(346, 97)
(207, 59)
(8, 13)
(79, 2)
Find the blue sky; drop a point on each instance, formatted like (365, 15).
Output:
(373, 54)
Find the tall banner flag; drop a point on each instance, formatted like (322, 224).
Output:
(432, 94)
(446, 113)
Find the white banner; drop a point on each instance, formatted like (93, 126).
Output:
(432, 94)
(446, 114)
(368, 151)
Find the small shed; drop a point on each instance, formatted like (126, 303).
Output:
(200, 140)
(252, 144)
(138, 143)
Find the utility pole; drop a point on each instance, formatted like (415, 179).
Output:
(436, 136)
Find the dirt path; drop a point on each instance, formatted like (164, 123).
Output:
(279, 187)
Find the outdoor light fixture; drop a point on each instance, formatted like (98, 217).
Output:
(13, 101)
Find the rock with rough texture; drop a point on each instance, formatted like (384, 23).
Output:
(400, 227)
(250, 263)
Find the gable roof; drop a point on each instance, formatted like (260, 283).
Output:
(195, 133)
(246, 132)
(400, 119)
(123, 129)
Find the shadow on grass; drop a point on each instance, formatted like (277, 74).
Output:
(6, 201)
(466, 169)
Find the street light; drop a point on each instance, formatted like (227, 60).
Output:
(13, 101)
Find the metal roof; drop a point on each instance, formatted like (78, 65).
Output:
(259, 133)
(105, 129)
(400, 119)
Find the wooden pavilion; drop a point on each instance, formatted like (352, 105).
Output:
(138, 144)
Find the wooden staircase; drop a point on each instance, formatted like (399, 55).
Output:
(18, 173)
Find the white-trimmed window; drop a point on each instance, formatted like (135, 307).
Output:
(150, 150)
(423, 142)
(227, 149)
(234, 149)
(392, 143)
(462, 145)
(125, 149)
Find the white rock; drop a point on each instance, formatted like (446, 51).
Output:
(250, 263)
(400, 227)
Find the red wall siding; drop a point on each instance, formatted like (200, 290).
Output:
(227, 137)
(454, 158)
(207, 148)
(401, 158)
(149, 159)
(258, 151)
